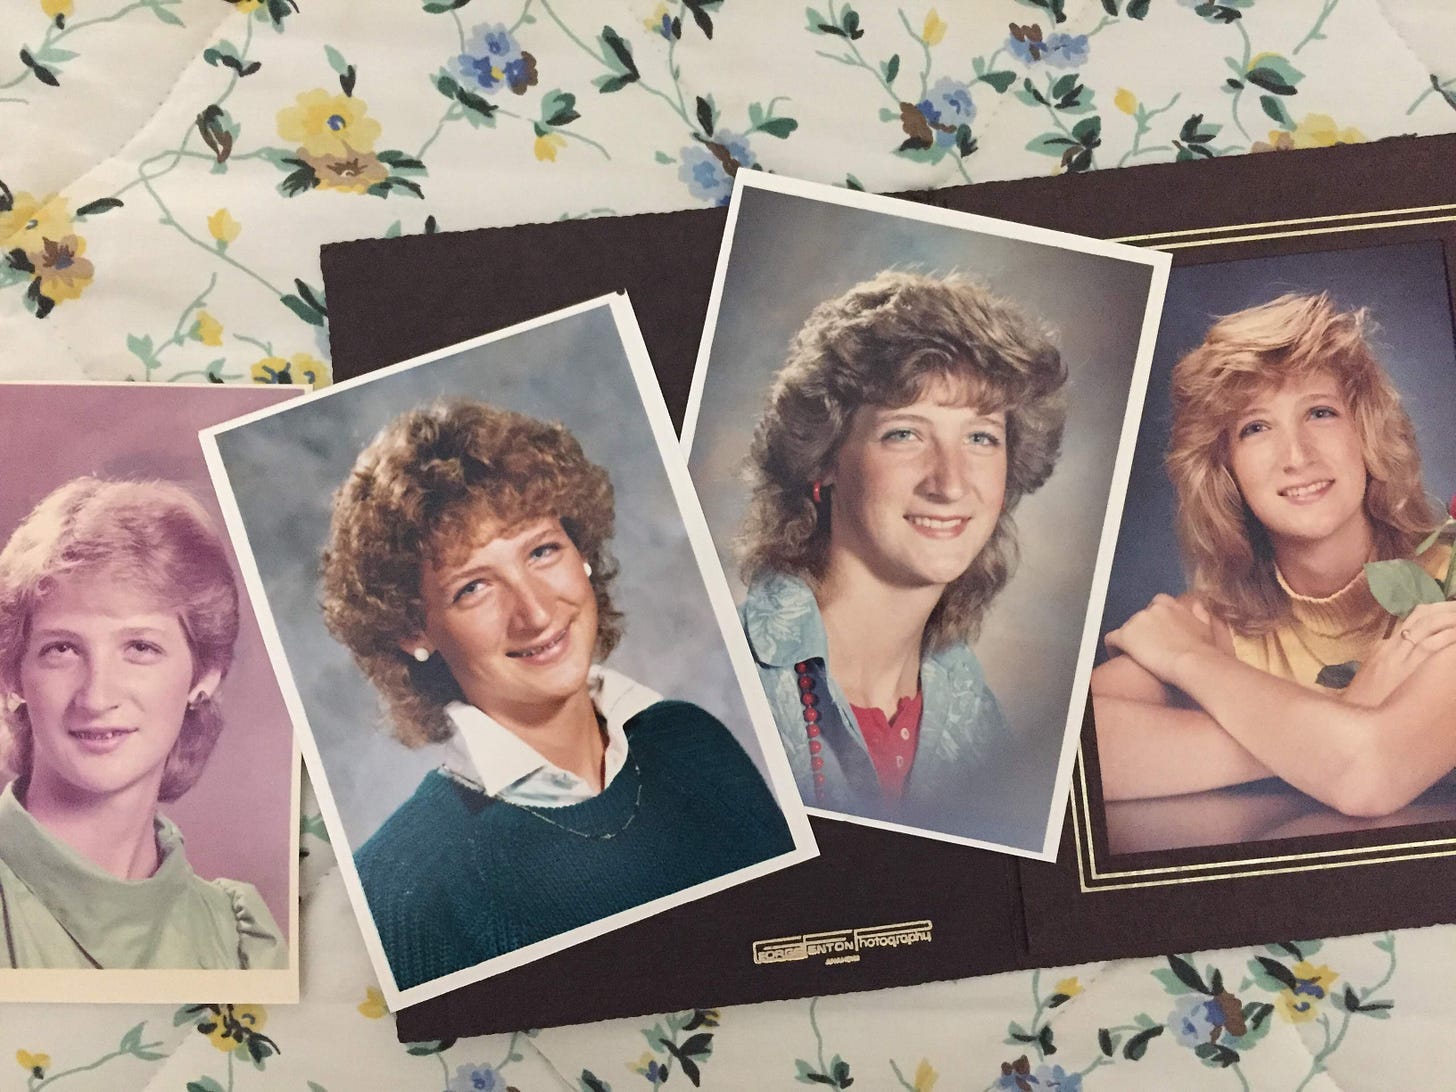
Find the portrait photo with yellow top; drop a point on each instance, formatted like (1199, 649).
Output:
(1280, 636)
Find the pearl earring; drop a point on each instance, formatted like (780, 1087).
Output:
(421, 654)
(586, 568)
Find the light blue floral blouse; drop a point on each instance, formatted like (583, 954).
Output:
(964, 738)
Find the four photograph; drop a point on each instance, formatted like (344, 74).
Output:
(514, 663)
(910, 430)
(149, 820)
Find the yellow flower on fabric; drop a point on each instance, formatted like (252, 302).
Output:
(655, 21)
(328, 125)
(933, 32)
(207, 329)
(222, 227)
(1068, 987)
(298, 368)
(32, 220)
(373, 1004)
(1320, 131)
(925, 1076)
(63, 273)
(52, 8)
(547, 146)
(1125, 101)
(229, 1032)
(36, 1063)
(1311, 986)
(247, 5)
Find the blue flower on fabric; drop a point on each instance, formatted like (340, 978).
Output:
(656, 1072)
(707, 168)
(477, 1078)
(1057, 1079)
(494, 59)
(1194, 1019)
(946, 107)
(1058, 50)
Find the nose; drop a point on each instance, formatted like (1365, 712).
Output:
(532, 611)
(1296, 450)
(946, 475)
(98, 692)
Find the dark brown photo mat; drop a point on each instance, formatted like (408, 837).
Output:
(987, 912)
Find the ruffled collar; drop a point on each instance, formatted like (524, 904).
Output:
(101, 913)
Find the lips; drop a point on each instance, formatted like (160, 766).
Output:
(1307, 491)
(547, 651)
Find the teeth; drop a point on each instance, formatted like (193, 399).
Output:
(109, 733)
(529, 653)
(935, 524)
(1300, 491)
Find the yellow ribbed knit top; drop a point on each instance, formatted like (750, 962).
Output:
(1325, 631)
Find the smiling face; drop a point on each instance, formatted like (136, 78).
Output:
(514, 616)
(106, 675)
(1298, 460)
(917, 489)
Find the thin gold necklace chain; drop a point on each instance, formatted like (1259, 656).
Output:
(636, 807)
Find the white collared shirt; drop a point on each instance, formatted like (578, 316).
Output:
(506, 766)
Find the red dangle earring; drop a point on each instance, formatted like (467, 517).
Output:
(816, 492)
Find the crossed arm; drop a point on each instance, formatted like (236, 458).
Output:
(1368, 750)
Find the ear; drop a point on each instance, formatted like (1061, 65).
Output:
(407, 645)
(207, 685)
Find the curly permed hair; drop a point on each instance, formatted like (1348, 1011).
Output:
(150, 535)
(1227, 552)
(417, 494)
(883, 343)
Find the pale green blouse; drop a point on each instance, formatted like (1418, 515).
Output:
(59, 910)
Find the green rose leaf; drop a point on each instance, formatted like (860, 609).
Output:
(1000, 81)
(1275, 109)
(1401, 586)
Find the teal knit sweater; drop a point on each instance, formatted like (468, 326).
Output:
(455, 877)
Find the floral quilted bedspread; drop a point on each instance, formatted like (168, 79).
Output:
(169, 169)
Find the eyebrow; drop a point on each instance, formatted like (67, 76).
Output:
(885, 415)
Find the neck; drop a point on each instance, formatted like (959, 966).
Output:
(874, 633)
(567, 735)
(1320, 568)
(114, 831)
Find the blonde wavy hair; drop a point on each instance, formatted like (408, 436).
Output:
(151, 535)
(419, 493)
(883, 343)
(1227, 552)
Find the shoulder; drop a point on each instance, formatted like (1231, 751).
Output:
(781, 619)
(679, 733)
(408, 844)
(1221, 631)
(260, 941)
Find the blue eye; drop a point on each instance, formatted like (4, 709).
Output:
(898, 435)
(1323, 413)
(467, 589)
(984, 438)
(1252, 428)
(546, 549)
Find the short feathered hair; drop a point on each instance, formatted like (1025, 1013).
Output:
(419, 492)
(883, 343)
(1227, 552)
(152, 535)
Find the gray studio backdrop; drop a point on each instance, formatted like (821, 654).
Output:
(1405, 289)
(791, 253)
(284, 471)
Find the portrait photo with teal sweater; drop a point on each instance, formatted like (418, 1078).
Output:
(518, 672)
